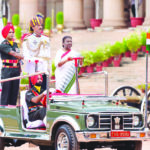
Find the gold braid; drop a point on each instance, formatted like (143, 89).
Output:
(37, 49)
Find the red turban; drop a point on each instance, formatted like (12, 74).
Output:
(6, 30)
(35, 78)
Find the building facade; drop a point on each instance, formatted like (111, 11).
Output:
(77, 13)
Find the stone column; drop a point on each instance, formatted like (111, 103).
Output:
(88, 11)
(147, 18)
(113, 15)
(27, 10)
(73, 14)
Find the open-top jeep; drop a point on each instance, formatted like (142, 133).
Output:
(76, 122)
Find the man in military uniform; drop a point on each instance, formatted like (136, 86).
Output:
(36, 48)
(11, 67)
(34, 99)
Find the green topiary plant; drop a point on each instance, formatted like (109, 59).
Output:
(60, 18)
(48, 23)
(106, 50)
(53, 68)
(18, 33)
(143, 38)
(124, 45)
(133, 42)
(25, 80)
(98, 56)
(15, 19)
(116, 48)
(88, 58)
(4, 21)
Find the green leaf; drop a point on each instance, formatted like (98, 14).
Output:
(48, 23)
(15, 19)
(18, 33)
(60, 18)
(4, 21)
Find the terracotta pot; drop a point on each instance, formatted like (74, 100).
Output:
(116, 63)
(144, 49)
(134, 56)
(127, 54)
(95, 22)
(82, 70)
(89, 69)
(99, 67)
(136, 21)
(105, 63)
(53, 77)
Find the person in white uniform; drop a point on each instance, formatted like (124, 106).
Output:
(36, 48)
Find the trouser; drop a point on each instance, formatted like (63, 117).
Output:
(133, 10)
(10, 91)
(38, 114)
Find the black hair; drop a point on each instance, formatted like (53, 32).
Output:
(65, 37)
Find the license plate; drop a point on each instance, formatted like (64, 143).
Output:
(120, 134)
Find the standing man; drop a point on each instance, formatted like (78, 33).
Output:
(10, 66)
(36, 48)
(65, 67)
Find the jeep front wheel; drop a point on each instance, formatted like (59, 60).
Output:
(2, 144)
(66, 139)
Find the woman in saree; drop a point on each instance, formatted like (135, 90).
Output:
(65, 67)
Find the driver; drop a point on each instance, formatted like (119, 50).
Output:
(34, 99)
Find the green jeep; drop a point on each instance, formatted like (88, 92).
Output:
(75, 122)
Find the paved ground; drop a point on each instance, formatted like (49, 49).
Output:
(130, 73)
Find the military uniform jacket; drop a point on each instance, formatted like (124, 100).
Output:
(29, 95)
(5, 48)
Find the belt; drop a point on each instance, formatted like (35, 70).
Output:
(12, 65)
(10, 61)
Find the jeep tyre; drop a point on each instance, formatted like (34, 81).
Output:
(2, 144)
(66, 139)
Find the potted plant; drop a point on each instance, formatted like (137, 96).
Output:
(15, 20)
(133, 44)
(136, 20)
(127, 53)
(18, 35)
(98, 58)
(96, 22)
(47, 26)
(107, 58)
(4, 21)
(60, 21)
(88, 60)
(116, 51)
(53, 70)
(143, 40)
(24, 83)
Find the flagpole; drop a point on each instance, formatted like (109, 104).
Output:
(146, 81)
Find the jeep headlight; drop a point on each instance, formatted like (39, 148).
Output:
(90, 121)
(136, 120)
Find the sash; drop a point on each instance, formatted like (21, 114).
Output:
(63, 55)
(43, 100)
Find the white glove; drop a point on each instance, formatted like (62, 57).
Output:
(45, 92)
(52, 90)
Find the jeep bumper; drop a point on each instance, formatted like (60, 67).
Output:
(107, 136)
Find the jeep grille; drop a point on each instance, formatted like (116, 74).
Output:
(106, 122)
